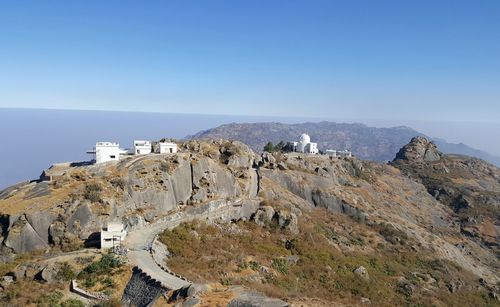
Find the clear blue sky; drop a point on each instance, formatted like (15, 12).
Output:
(423, 60)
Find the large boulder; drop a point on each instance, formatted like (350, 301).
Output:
(288, 221)
(419, 150)
(362, 272)
(23, 238)
(264, 215)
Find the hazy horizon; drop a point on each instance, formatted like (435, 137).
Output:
(38, 138)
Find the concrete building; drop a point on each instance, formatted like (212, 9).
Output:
(106, 151)
(142, 147)
(339, 153)
(167, 147)
(112, 235)
(304, 145)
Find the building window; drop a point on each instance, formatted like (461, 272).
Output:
(112, 156)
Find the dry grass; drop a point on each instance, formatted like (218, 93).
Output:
(324, 271)
(17, 203)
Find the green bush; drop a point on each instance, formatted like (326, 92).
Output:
(65, 272)
(280, 265)
(89, 282)
(104, 266)
(254, 265)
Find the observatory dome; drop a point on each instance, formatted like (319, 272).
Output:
(305, 139)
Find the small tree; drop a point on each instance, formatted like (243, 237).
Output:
(280, 146)
(269, 147)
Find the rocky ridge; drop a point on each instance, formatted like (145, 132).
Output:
(396, 206)
(470, 187)
(367, 143)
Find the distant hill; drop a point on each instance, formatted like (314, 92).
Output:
(369, 143)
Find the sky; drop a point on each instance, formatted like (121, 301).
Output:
(433, 60)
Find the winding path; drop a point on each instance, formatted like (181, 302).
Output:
(140, 240)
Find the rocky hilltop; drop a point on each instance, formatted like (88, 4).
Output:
(261, 229)
(367, 143)
(470, 187)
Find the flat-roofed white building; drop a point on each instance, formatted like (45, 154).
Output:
(142, 147)
(106, 151)
(339, 153)
(112, 235)
(168, 147)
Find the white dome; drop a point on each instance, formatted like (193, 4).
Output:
(305, 139)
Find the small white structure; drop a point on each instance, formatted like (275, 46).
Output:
(339, 153)
(142, 147)
(305, 145)
(166, 147)
(112, 235)
(106, 151)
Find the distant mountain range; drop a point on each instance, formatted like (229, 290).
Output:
(369, 143)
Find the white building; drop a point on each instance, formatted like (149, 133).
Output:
(142, 147)
(305, 145)
(112, 235)
(339, 153)
(167, 147)
(106, 151)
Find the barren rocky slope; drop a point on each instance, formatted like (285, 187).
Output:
(468, 186)
(342, 231)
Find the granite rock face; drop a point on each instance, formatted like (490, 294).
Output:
(468, 186)
(23, 238)
(137, 190)
(419, 150)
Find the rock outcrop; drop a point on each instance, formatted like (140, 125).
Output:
(419, 150)
(137, 190)
(468, 186)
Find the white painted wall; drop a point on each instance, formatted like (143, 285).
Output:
(168, 147)
(142, 147)
(311, 148)
(106, 151)
(112, 234)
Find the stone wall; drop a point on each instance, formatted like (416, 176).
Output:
(141, 290)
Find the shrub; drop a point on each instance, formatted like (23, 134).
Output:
(118, 183)
(280, 265)
(92, 192)
(89, 282)
(65, 272)
(254, 265)
(104, 265)
(108, 282)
